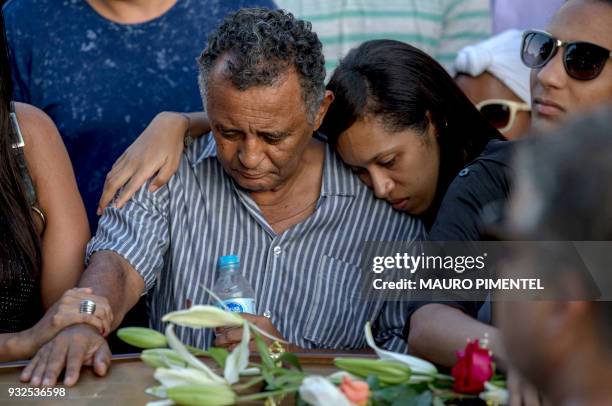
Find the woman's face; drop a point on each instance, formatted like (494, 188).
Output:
(554, 93)
(399, 166)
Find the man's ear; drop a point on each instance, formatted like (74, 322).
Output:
(325, 103)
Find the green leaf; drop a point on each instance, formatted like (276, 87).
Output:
(196, 351)
(218, 354)
(437, 402)
(373, 382)
(270, 379)
(263, 351)
(293, 378)
(291, 359)
(425, 399)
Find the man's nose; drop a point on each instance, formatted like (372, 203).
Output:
(381, 184)
(251, 152)
(553, 75)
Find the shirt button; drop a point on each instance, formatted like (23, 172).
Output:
(277, 251)
(464, 172)
(267, 314)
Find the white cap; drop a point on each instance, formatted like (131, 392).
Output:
(500, 56)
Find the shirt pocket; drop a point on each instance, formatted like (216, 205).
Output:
(338, 312)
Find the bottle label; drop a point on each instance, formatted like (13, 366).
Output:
(240, 305)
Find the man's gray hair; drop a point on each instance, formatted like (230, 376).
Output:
(262, 46)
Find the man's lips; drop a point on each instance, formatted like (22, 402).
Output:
(399, 205)
(251, 175)
(547, 108)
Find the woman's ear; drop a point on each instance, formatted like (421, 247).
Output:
(432, 128)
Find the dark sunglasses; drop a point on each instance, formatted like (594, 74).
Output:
(582, 60)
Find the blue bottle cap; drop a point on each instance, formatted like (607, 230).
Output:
(227, 260)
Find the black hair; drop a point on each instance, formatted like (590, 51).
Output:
(404, 86)
(19, 242)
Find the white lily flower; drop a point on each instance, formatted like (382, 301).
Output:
(177, 346)
(184, 376)
(162, 402)
(318, 391)
(204, 316)
(157, 391)
(238, 360)
(417, 365)
(495, 395)
(162, 357)
(250, 371)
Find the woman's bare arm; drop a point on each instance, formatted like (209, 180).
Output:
(67, 230)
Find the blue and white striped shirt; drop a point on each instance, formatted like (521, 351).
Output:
(308, 277)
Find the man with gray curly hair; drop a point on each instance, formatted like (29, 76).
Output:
(260, 186)
(269, 44)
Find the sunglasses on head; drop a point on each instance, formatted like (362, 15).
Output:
(501, 113)
(582, 60)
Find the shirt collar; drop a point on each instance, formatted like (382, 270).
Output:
(338, 179)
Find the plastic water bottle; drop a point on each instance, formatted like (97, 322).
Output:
(232, 287)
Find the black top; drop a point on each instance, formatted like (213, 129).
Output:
(481, 185)
(20, 298)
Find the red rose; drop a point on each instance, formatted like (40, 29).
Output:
(473, 368)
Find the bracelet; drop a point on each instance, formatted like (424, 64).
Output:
(187, 139)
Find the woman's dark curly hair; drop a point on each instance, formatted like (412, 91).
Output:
(264, 44)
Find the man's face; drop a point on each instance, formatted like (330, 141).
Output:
(554, 93)
(261, 132)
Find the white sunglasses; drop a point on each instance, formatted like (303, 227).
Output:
(500, 112)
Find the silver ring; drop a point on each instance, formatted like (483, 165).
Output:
(87, 306)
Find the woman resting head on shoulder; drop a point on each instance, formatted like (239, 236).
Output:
(402, 124)
(398, 119)
(43, 231)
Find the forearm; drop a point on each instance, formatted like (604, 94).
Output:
(111, 276)
(438, 331)
(198, 124)
(17, 346)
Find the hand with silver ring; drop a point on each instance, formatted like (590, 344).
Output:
(87, 306)
(76, 306)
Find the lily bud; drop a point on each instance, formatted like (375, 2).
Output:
(210, 395)
(142, 337)
(162, 357)
(388, 372)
